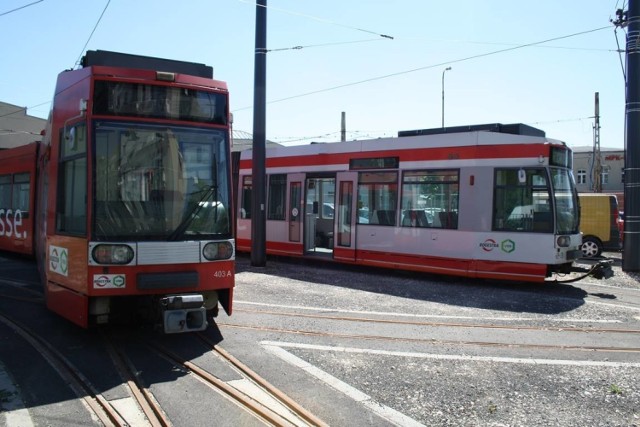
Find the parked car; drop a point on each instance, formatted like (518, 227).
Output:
(600, 223)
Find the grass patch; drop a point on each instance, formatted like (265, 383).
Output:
(614, 389)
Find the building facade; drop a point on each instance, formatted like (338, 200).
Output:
(612, 170)
(17, 127)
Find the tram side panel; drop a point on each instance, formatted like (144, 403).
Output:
(461, 236)
(17, 198)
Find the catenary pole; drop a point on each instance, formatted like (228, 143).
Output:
(631, 258)
(258, 214)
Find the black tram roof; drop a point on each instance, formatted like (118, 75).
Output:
(514, 129)
(125, 60)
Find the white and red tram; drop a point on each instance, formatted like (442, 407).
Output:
(487, 201)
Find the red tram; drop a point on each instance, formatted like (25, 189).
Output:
(487, 201)
(133, 216)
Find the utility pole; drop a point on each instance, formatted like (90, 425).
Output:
(596, 176)
(343, 127)
(631, 258)
(443, 71)
(258, 214)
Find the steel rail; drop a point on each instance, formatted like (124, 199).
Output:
(433, 340)
(240, 398)
(149, 405)
(80, 385)
(264, 384)
(442, 324)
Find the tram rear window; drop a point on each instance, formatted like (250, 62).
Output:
(159, 102)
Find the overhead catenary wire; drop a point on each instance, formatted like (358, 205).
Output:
(20, 8)
(315, 18)
(321, 45)
(440, 64)
(24, 109)
(92, 31)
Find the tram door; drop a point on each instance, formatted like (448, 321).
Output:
(345, 221)
(296, 211)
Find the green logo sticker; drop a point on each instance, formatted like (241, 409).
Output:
(508, 246)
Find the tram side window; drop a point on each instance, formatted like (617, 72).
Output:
(71, 213)
(521, 201)
(245, 203)
(430, 199)
(21, 187)
(377, 198)
(14, 195)
(277, 196)
(5, 192)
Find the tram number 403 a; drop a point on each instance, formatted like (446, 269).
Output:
(11, 223)
(222, 273)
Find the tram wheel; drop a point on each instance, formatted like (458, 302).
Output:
(591, 247)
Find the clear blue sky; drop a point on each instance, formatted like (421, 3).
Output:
(384, 85)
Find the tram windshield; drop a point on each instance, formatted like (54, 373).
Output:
(532, 200)
(160, 182)
(564, 194)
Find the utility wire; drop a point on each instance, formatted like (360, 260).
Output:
(315, 18)
(24, 109)
(578, 119)
(21, 7)
(17, 132)
(507, 44)
(399, 73)
(93, 31)
(320, 45)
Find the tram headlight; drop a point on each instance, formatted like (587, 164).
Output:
(217, 250)
(112, 254)
(564, 241)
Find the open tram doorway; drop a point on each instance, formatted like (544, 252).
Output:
(320, 197)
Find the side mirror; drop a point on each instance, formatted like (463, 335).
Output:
(83, 109)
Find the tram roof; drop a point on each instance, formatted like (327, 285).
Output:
(117, 59)
(513, 129)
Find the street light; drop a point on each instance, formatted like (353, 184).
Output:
(443, 71)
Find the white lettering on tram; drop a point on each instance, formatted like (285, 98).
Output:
(11, 224)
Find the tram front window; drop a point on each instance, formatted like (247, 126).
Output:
(566, 202)
(160, 182)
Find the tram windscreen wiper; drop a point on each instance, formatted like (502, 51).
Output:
(191, 215)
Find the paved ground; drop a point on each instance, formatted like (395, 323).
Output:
(360, 347)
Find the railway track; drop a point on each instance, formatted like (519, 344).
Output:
(253, 392)
(442, 324)
(274, 409)
(435, 341)
(94, 401)
(259, 398)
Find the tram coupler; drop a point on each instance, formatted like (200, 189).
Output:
(601, 270)
(183, 313)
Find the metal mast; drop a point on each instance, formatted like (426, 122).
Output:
(631, 258)
(596, 177)
(258, 214)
